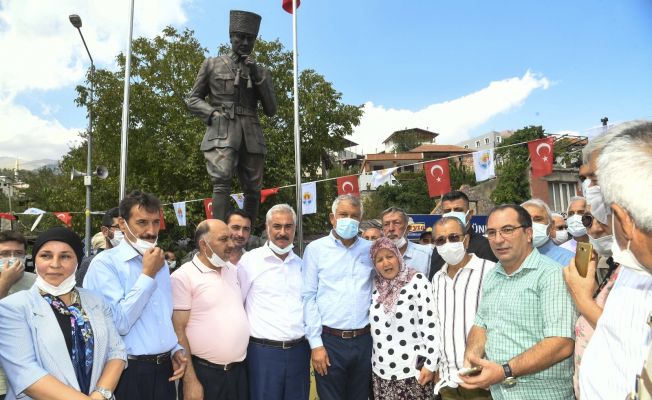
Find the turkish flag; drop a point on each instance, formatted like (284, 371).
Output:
(8, 216)
(208, 207)
(348, 185)
(438, 177)
(65, 217)
(287, 5)
(265, 193)
(160, 215)
(541, 156)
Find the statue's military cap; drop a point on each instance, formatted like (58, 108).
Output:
(244, 21)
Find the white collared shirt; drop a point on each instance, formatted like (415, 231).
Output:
(621, 340)
(271, 290)
(457, 302)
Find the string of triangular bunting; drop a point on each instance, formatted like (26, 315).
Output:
(437, 178)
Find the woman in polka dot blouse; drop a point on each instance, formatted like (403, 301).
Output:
(403, 328)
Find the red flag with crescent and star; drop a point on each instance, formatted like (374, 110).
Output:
(265, 193)
(65, 217)
(541, 156)
(438, 177)
(348, 185)
(287, 5)
(208, 207)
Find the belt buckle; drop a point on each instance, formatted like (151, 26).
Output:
(227, 367)
(159, 358)
(348, 334)
(285, 345)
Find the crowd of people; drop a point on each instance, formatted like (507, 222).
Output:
(502, 315)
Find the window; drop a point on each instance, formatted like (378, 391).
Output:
(477, 143)
(499, 139)
(486, 140)
(560, 194)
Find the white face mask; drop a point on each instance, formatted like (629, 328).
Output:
(575, 227)
(602, 245)
(459, 215)
(8, 262)
(141, 246)
(401, 240)
(540, 234)
(585, 186)
(599, 209)
(280, 250)
(172, 264)
(64, 287)
(561, 236)
(626, 257)
(452, 253)
(215, 259)
(117, 238)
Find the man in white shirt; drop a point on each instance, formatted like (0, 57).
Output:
(457, 290)
(270, 278)
(621, 341)
(395, 227)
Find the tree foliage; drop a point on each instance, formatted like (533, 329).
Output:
(164, 156)
(513, 166)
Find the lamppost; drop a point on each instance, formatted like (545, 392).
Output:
(76, 21)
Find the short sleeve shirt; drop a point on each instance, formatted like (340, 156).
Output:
(520, 310)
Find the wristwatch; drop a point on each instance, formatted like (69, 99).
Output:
(106, 393)
(509, 377)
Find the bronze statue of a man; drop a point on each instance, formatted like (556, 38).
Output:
(225, 96)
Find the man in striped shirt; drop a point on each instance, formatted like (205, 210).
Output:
(523, 335)
(456, 289)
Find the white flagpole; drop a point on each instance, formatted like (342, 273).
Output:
(297, 137)
(125, 111)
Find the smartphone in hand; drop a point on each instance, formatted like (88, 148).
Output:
(473, 371)
(583, 254)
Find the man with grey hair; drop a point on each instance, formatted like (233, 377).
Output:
(395, 226)
(542, 231)
(576, 209)
(337, 286)
(270, 279)
(620, 344)
(457, 291)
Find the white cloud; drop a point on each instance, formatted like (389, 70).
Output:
(42, 51)
(451, 119)
(24, 135)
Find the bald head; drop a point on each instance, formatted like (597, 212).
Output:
(213, 236)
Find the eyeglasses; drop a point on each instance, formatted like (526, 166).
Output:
(506, 231)
(12, 253)
(452, 238)
(587, 220)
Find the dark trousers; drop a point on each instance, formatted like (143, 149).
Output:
(222, 163)
(279, 374)
(350, 371)
(219, 384)
(146, 381)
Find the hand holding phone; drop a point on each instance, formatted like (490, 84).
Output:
(472, 371)
(583, 254)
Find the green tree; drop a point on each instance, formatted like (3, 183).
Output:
(164, 156)
(411, 194)
(406, 141)
(513, 166)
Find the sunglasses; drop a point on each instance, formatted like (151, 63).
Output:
(452, 238)
(587, 220)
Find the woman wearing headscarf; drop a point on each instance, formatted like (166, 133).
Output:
(58, 341)
(403, 327)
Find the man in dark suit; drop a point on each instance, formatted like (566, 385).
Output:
(456, 204)
(225, 96)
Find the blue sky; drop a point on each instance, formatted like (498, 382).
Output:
(460, 68)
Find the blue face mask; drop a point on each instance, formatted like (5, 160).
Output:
(347, 228)
(457, 214)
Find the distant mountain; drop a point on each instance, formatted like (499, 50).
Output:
(30, 165)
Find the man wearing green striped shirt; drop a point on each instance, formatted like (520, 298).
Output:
(523, 336)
